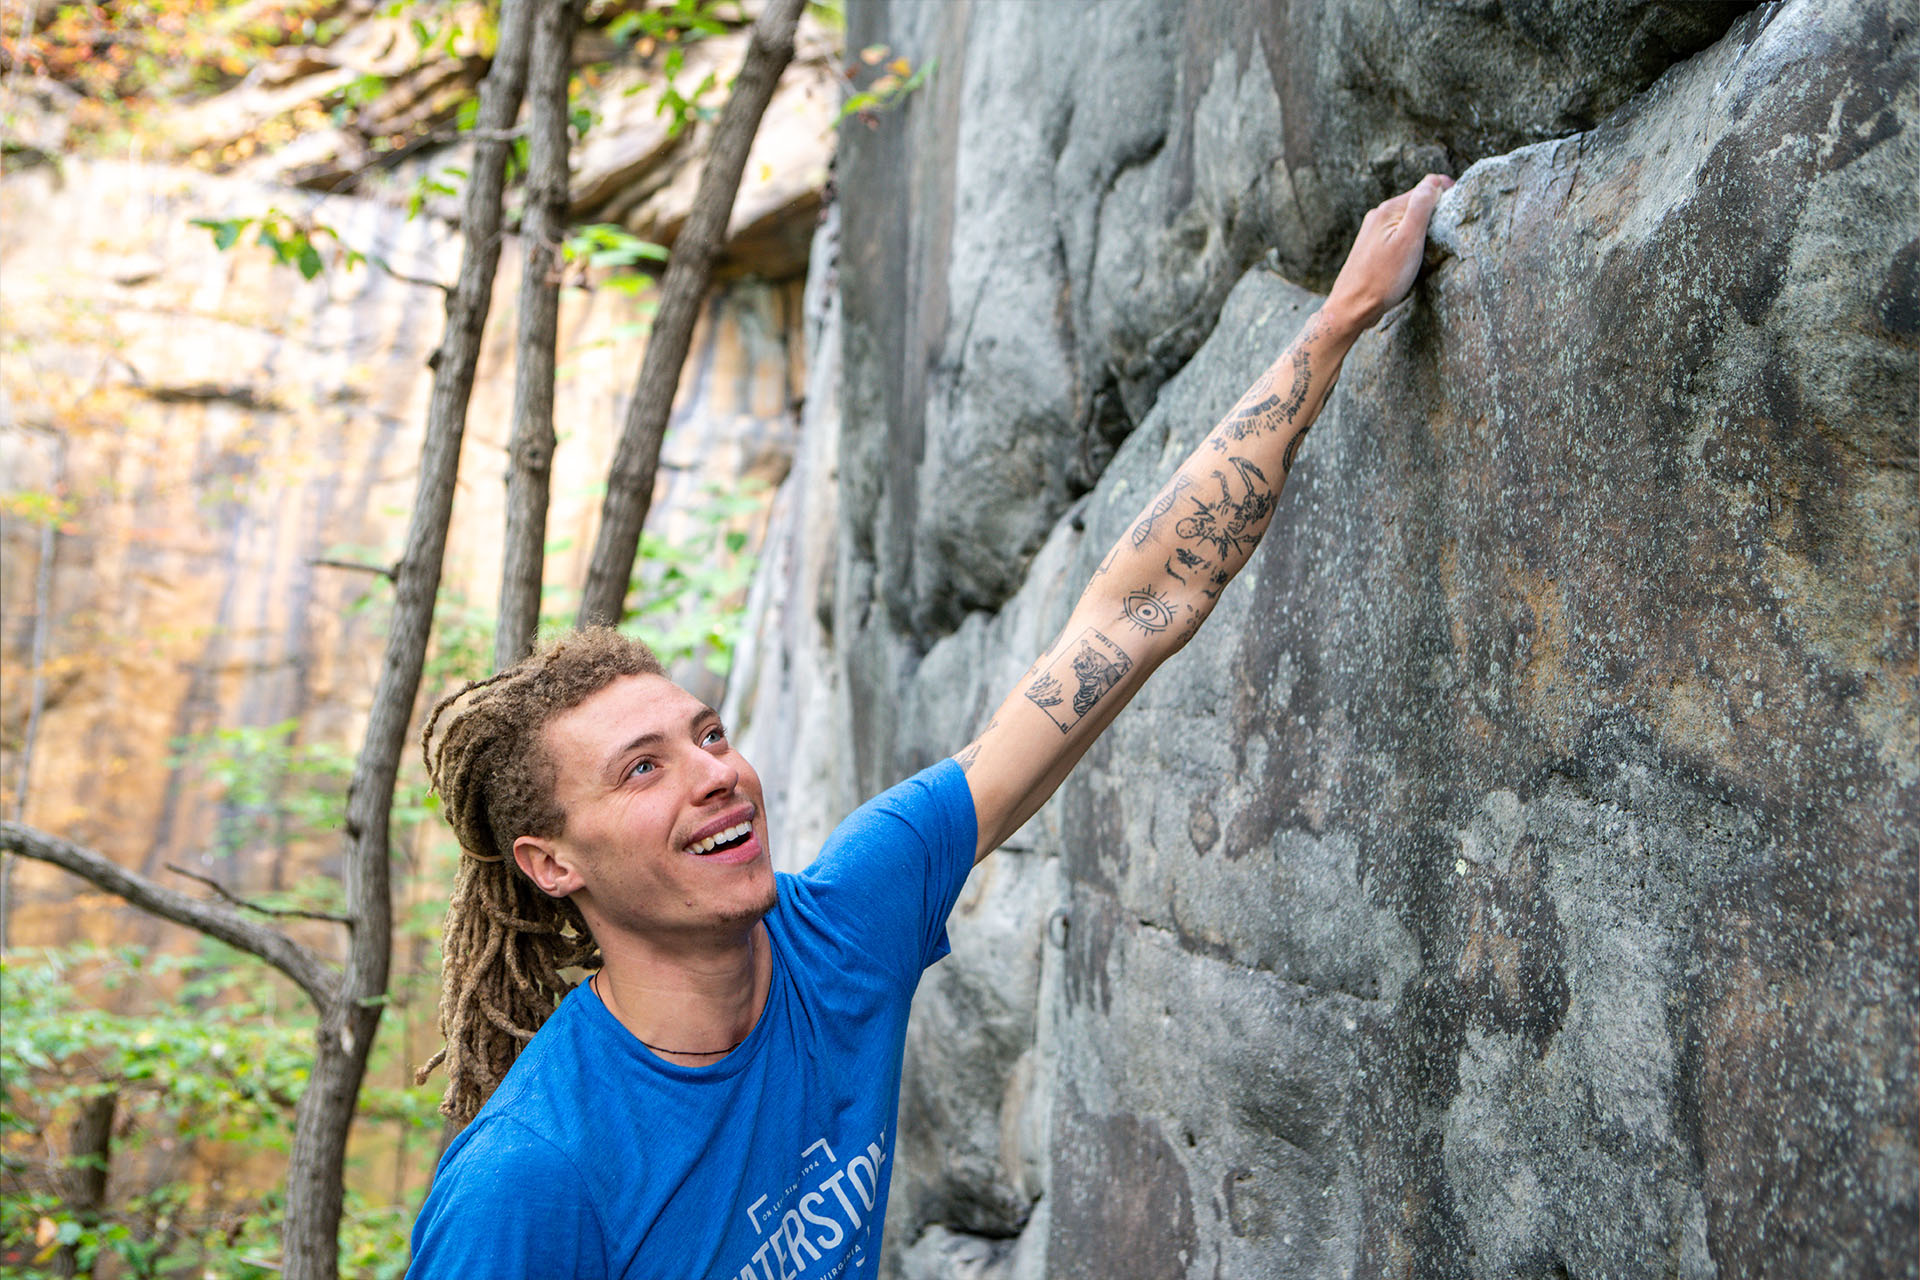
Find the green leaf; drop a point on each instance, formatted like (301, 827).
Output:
(309, 261)
(226, 231)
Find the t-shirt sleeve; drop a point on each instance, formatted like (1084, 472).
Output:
(891, 873)
(506, 1203)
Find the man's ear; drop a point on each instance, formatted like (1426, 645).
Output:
(546, 866)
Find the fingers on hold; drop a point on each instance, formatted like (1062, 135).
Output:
(1433, 183)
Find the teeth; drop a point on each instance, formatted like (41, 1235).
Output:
(713, 842)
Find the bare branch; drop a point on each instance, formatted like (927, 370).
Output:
(314, 975)
(384, 571)
(404, 278)
(284, 913)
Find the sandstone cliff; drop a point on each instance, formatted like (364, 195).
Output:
(1517, 876)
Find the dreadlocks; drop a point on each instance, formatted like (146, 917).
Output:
(506, 941)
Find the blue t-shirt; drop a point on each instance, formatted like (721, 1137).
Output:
(596, 1158)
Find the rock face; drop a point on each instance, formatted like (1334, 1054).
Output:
(1517, 877)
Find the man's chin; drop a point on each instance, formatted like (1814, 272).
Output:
(756, 910)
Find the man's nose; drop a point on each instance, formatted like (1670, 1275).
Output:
(718, 774)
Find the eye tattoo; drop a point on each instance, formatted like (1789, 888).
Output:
(1147, 610)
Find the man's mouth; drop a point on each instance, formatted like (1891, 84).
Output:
(720, 841)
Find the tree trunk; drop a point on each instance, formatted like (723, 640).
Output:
(689, 270)
(314, 1179)
(84, 1181)
(530, 473)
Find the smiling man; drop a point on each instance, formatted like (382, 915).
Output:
(718, 1099)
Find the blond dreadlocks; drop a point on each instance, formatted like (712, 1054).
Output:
(505, 941)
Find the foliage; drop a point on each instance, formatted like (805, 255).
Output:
(274, 789)
(673, 27)
(222, 1058)
(669, 23)
(293, 239)
(225, 1057)
(602, 245)
(197, 1050)
(132, 50)
(38, 507)
(462, 644)
(886, 90)
(689, 596)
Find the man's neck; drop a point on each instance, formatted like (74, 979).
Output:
(691, 1004)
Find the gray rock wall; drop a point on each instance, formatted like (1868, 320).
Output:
(1517, 877)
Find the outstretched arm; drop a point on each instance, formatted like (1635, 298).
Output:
(1161, 579)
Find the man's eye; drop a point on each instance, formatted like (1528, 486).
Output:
(643, 767)
(713, 735)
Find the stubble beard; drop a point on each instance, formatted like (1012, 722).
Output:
(756, 912)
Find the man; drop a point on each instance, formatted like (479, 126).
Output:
(718, 1099)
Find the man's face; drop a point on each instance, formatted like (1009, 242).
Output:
(666, 831)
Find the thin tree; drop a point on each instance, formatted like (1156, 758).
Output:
(636, 459)
(325, 1112)
(350, 999)
(530, 451)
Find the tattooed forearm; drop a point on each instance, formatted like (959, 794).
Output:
(1161, 505)
(1230, 524)
(1198, 530)
(1293, 450)
(1148, 610)
(1273, 407)
(1293, 445)
(1078, 677)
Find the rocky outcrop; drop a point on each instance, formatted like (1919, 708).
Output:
(1052, 231)
(375, 112)
(1517, 876)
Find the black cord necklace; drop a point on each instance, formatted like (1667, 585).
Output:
(594, 982)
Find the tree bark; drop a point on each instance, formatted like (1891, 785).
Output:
(325, 1113)
(84, 1181)
(530, 453)
(689, 271)
(313, 975)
